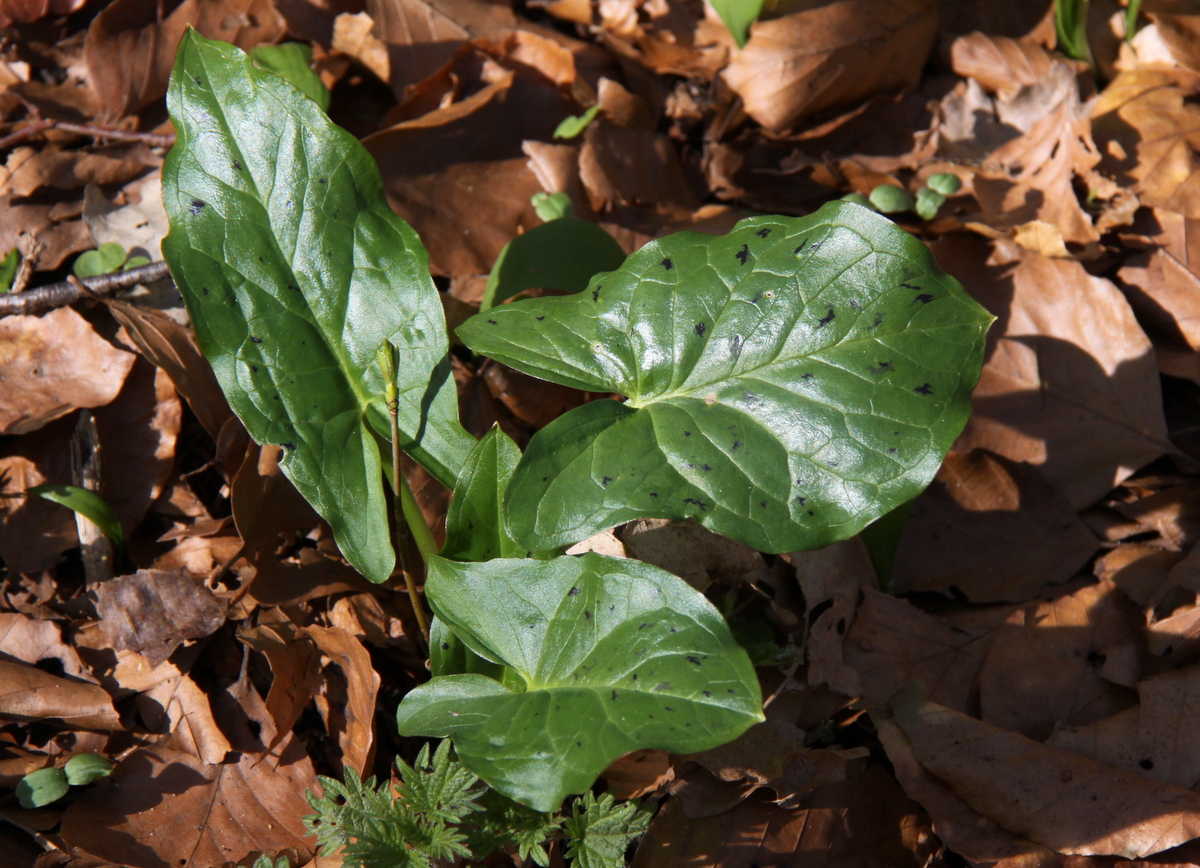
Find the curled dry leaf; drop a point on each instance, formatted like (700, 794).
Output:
(992, 530)
(354, 722)
(29, 694)
(1002, 65)
(1070, 383)
(152, 612)
(30, 641)
(62, 365)
(1059, 799)
(295, 668)
(831, 54)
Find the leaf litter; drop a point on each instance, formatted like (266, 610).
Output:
(1021, 687)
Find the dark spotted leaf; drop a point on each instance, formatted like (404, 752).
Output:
(603, 655)
(295, 272)
(787, 383)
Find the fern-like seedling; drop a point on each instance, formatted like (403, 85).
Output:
(599, 831)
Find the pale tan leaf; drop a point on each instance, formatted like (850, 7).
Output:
(353, 722)
(29, 694)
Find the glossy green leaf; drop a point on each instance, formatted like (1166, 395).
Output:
(88, 504)
(292, 61)
(562, 254)
(570, 127)
(609, 656)
(474, 522)
(41, 788)
(108, 257)
(787, 383)
(295, 272)
(8, 269)
(738, 15)
(85, 768)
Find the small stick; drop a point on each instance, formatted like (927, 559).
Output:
(46, 298)
(154, 140)
(18, 136)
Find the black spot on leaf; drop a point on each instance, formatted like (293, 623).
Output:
(803, 244)
(705, 468)
(700, 503)
(196, 207)
(289, 445)
(925, 298)
(256, 340)
(254, 368)
(764, 232)
(705, 693)
(654, 494)
(924, 389)
(695, 660)
(614, 695)
(810, 512)
(204, 289)
(320, 180)
(596, 293)
(802, 500)
(743, 254)
(701, 328)
(668, 264)
(587, 613)
(815, 247)
(687, 433)
(237, 165)
(878, 321)
(910, 286)
(806, 376)
(826, 320)
(491, 322)
(445, 646)
(763, 504)
(574, 592)
(540, 318)
(293, 288)
(199, 83)
(737, 444)
(892, 450)
(605, 481)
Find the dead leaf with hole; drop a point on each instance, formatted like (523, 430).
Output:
(1056, 646)
(153, 612)
(61, 364)
(29, 694)
(992, 530)
(353, 721)
(831, 54)
(1069, 384)
(1059, 799)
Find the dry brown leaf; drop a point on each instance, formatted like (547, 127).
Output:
(1112, 741)
(1168, 744)
(130, 46)
(353, 722)
(1178, 24)
(1062, 800)
(29, 694)
(178, 706)
(266, 505)
(28, 11)
(636, 774)
(1141, 570)
(1002, 65)
(61, 364)
(35, 532)
(30, 169)
(831, 54)
(370, 619)
(535, 402)
(1070, 383)
(31, 222)
(295, 666)
(29, 640)
(892, 644)
(153, 612)
(992, 530)
(167, 807)
(353, 36)
(695, 554)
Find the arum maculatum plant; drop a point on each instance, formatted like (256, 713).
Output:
(784, 385)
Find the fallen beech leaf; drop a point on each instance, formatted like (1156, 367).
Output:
(636, 774)
(29, 694)
(28, 11)
(1112, 741)
(1141, 570)
(265, 503)
(832, 54)
(167, 807)
(1070, 384)
(295, 668)
(1168, 744)
(178, 706)
(139, 226)
(33, 531)
(354, 722)
(693, 553)
(61, 364)
(990, 529)
(153, 612)
(1178, 25)
(30, 641)
(352, 36)
(1002, 65)
(1067, 802)
(892, 644)
(1052, 644)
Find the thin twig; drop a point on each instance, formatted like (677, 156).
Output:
(20, 135)
(154, 140)
(46, 298)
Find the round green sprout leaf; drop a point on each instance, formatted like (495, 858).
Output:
(890, 199)
(85, 768)
(106, 258)
(41, 788)
(551, 206)
(945, 183)
(858, 199)
(573, 126)
(928, 203)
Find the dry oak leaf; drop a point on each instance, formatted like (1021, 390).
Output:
(1151, 132)
(165, 807)
(833, 53)
(1062, 800)
(29, 694)
(992, 530)
(60, 364)
(1178, 24)
(1070, 383)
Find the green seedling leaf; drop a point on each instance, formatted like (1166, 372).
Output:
(928, 203)
(552, 206)
(295, 272)
(600, 831)
(88, 504)
(787, 383)
(562, 254)
(608, 656)
(890, 199)
(105, 259)
(8, 269)
(84, 768)
(1070, 24)
(946, 183)
(135, 262)
(882, 539)
(738, 15)
(858, 199)
(570, 127)
(41, 788)
(292, 61)
(475, 528)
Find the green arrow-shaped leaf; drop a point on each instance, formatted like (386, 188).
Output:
(475, 528)
(614, 655)
(787, 383)
(295, 272)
